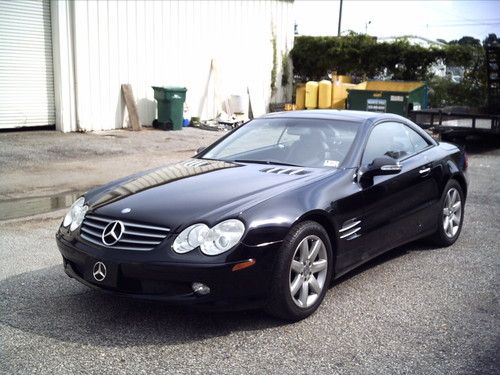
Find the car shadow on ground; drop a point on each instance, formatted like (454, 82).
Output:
(420, 245)
(48, 303)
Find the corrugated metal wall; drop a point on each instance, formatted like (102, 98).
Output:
(148, 43)
(26, 73)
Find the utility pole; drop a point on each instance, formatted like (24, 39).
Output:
(340, 17)
(366, 26)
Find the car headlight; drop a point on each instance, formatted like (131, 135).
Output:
(76, 214)
(212, 241)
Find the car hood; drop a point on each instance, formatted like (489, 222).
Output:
(195, 190)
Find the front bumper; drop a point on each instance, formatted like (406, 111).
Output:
(133, 275)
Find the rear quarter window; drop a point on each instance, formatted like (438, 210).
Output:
(419, 142)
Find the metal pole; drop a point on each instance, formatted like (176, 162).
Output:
(340, 17)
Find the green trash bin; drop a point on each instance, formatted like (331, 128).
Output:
(170, 105)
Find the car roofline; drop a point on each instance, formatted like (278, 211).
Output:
(360, 117)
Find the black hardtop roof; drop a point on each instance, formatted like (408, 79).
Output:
(335, 114)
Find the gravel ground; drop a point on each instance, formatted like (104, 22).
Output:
(414, 310)
(35, 163)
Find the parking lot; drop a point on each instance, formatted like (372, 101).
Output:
(417, 309)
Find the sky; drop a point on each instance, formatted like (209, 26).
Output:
(432, 19)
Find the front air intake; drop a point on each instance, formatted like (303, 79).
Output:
(289, 171)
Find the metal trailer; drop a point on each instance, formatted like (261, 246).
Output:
(449, 124)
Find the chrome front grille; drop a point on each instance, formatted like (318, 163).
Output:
(138, 237)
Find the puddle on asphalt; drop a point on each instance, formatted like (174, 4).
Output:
(23, 207)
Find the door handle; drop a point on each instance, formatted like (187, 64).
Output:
(424, 171)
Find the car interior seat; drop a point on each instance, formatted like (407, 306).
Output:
(311, 149)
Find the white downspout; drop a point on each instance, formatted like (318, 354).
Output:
(64, 65)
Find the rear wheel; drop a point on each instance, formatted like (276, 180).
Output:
(450, 216)
(303, 272)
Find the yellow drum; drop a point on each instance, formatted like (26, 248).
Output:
(300, 96)
(325, 94)
(341, 78)
(339, 94)
(312, 95)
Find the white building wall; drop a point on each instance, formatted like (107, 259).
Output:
(157, 43)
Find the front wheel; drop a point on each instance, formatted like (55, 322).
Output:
(302, 273)
(450, 216)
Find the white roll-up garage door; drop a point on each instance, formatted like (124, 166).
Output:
(26, 71)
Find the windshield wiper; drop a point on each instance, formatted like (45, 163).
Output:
(264, 162)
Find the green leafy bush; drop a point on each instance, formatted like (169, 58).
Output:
(363, 57)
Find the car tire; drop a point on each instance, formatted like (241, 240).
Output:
(305, 257)
(450, 220)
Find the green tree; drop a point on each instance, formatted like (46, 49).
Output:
(314, 57)
(363, 58)
(466, 41)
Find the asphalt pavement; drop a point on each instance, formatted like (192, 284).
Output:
(415, 310)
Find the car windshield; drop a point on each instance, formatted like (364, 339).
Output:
(288, 141)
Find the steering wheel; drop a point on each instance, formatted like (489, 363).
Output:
(334, 141)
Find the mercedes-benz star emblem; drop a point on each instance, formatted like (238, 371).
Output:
(99, 271)
(112, 233)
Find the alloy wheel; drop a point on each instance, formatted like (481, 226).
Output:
(308, 271)
(452, 213)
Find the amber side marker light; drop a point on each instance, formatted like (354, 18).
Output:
(243, 265)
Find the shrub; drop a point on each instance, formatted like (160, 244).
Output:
(363, 58)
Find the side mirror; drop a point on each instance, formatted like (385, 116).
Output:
(382, 166)
(200, 150)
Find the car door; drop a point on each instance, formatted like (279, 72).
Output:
(393, 204)
(427, 174)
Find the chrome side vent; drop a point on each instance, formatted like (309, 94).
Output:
(289, 171)
(350, 229)
(135, 236)
(196, 163)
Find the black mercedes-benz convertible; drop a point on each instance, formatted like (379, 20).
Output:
(270, 214)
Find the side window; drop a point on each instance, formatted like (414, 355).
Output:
(419, 142)
(388, 139)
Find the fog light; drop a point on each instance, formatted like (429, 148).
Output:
(200, 289)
